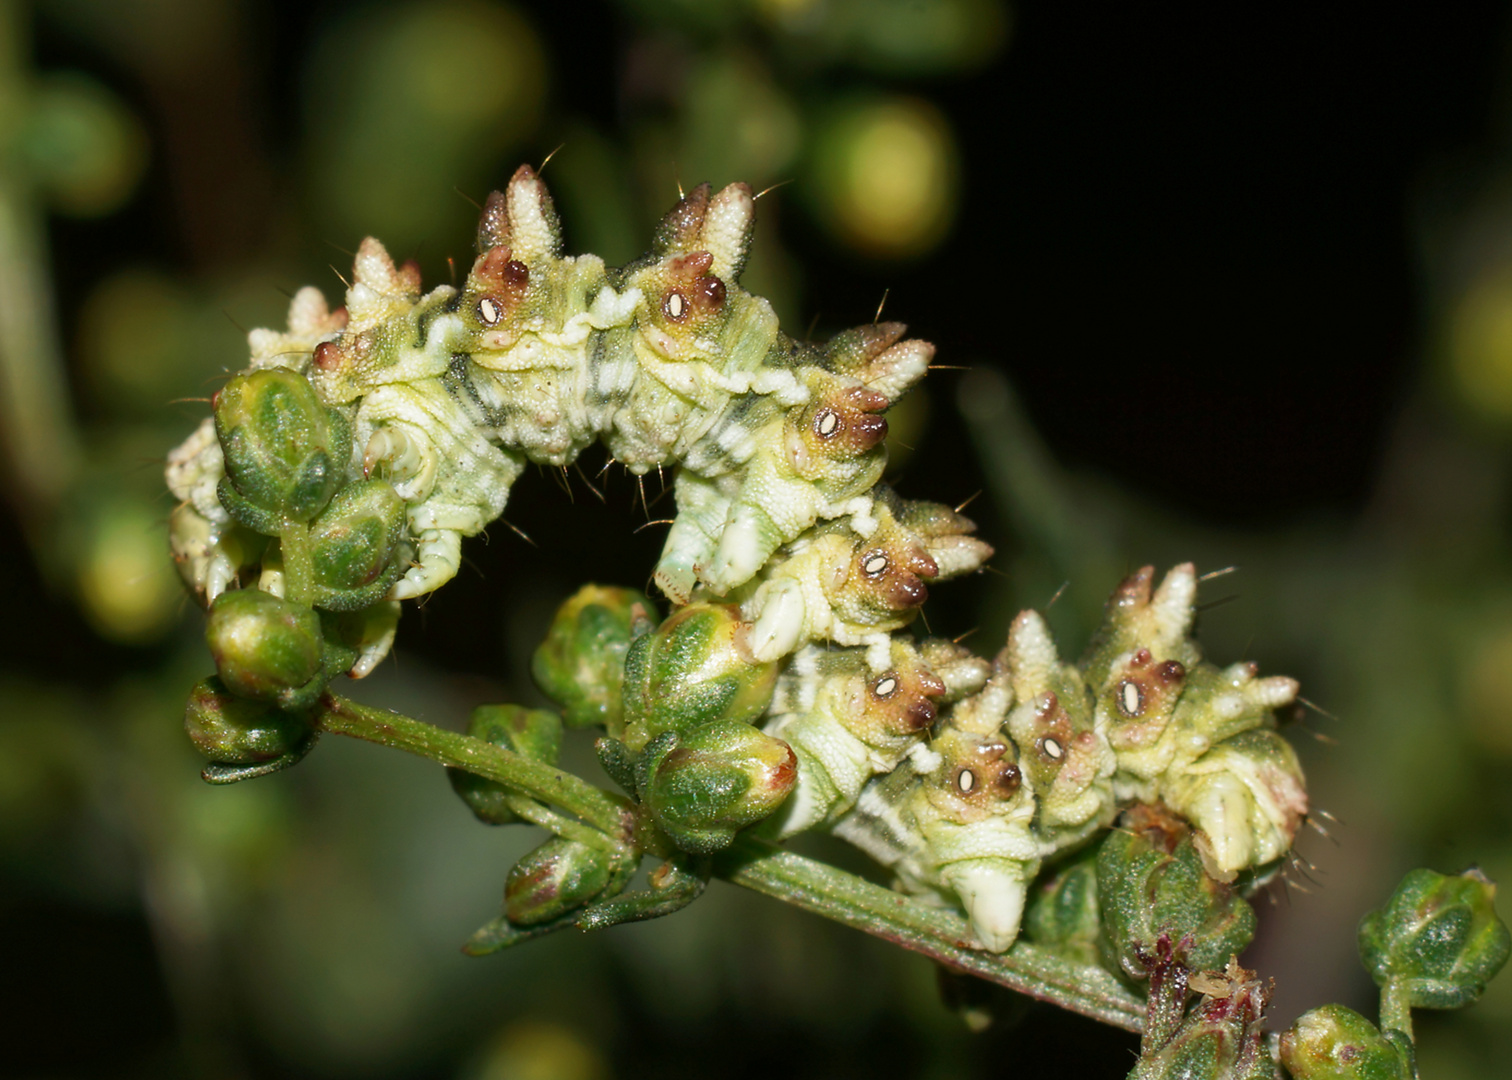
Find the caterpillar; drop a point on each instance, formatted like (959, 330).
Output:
(1045, 754)
(362, 444)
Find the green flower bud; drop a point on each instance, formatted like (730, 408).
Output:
(704, 786)
(532, 733)
(1335, 1043)
(265, 648)
(558, 877)
(1062, 912)
(286, 453)
(1438, 940)
(1151, 881)
(228, 728)
(1220, 1039)
(358, 546)
(693, 669)
(581, 664)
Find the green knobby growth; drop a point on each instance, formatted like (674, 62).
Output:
(286, 453)
(1151, 884)
(1062, 913)
(559, 877)
(266, 648)
(581, 664)
(703, 787)
(1337, 1043)
(241, 737)
(358, 546)
(1434, 945)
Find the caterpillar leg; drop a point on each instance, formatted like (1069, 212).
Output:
(439, 557)
(992, 891)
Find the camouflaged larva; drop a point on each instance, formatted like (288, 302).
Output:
(668, 362)
(1042, 757)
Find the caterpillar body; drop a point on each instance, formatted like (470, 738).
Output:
(1044, 755)
(794, 572)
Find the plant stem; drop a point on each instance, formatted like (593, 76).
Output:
(935, 932)
(605, 812)
(298, 564)
(761, 867)
(1396, 1011)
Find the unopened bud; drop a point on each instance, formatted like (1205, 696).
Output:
(695, 668)
(231, 729)
(704, 786)
(557, 877)
(1220, 1039)
(358, 546)
(1438, 940)
(265, 648)
(1336, 1043)
(1151, 883)
(532, 733)
(285, 452)
(581, 664)
(1062, 912)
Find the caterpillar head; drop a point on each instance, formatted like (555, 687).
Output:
(380, 296)
(841, 422)
(1062, 753)
(880, 577)
(514, 277)
(1136, 617)
(979, 776)
(1137, 699)
(691, 307)
(899, 703)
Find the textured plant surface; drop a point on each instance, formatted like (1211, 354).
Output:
(783, 691)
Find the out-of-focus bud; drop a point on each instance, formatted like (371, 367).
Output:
(581, 664)
(557, 877)
(286, 453)
(705, 786)
(358, 546)
(1151, 882)
(532, 733)
(1220, 1039)
(693, 669)
(265, 648)
(230, 729)
(1437, 942)
(1062, 912)
(1335, 1043)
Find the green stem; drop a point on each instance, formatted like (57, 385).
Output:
(939, 934)
(298, 564)
(935, 932)
(1396, 1010)
(603, 811)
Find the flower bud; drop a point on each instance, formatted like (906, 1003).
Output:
(1151, 881)
(230, 729)
(1062, 912)
(693, 669)
(358, 546)
(532, 733)
(581, 664)
(704, 786)
(1335, 1043)
(265, 648)
(1220, 1039)
(1438, 940)
(286, 453)
(557, 877)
